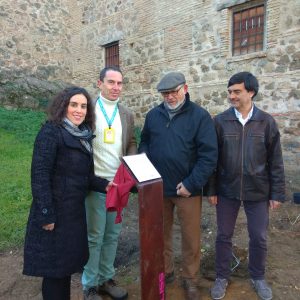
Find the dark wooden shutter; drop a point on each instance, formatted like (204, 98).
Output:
(248, 30)
(112, 54)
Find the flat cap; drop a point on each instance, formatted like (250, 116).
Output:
(170, 81)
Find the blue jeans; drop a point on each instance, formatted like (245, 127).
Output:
(103, 236)
(257, 214)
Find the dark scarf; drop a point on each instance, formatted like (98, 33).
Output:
(84, 134)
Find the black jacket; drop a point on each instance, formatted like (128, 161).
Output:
(250, 164)
(183, 149)
(61, 174)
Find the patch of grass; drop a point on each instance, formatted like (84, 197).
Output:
(24, 124)
(17, 133)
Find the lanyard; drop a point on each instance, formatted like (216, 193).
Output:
(109, 121)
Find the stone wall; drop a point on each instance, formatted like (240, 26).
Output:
(194, 37)
(34, 44)
(64, 39)
(34, 37)
(158, 36)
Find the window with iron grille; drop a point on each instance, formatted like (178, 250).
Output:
(112, 54)
(248, 30)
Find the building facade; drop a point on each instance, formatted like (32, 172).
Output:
(207, 40)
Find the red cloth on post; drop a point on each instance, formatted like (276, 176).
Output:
(117, 196)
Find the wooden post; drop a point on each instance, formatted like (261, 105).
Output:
(151, 240)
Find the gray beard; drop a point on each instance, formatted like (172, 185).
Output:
(173, 108)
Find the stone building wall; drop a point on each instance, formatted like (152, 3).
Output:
(158, 36)
(195, 37)
(64, 39)
(34, 44)
(34, 38)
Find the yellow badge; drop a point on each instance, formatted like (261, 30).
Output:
(109, 135)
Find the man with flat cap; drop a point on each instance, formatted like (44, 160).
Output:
(180, 140)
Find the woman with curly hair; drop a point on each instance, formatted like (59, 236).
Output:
(62, 172)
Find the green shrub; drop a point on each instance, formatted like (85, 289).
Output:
(137, 133)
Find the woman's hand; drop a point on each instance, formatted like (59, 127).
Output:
(110, 184)
(49, 227)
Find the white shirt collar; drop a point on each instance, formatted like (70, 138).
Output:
(240, 117)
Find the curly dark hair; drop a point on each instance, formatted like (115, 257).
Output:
(57, 108)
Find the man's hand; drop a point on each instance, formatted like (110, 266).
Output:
(213, 200)
(49, 227)
(274, 204)
(182, 191)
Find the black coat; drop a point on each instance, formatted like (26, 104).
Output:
(183, 149)
(62, 172)
(250, 164)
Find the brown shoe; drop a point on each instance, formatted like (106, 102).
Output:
(91, 294)
(111, 288)
(190, 290)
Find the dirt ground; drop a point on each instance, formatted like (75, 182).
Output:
(283, 265)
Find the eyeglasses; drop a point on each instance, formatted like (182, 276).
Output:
(172, 93)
